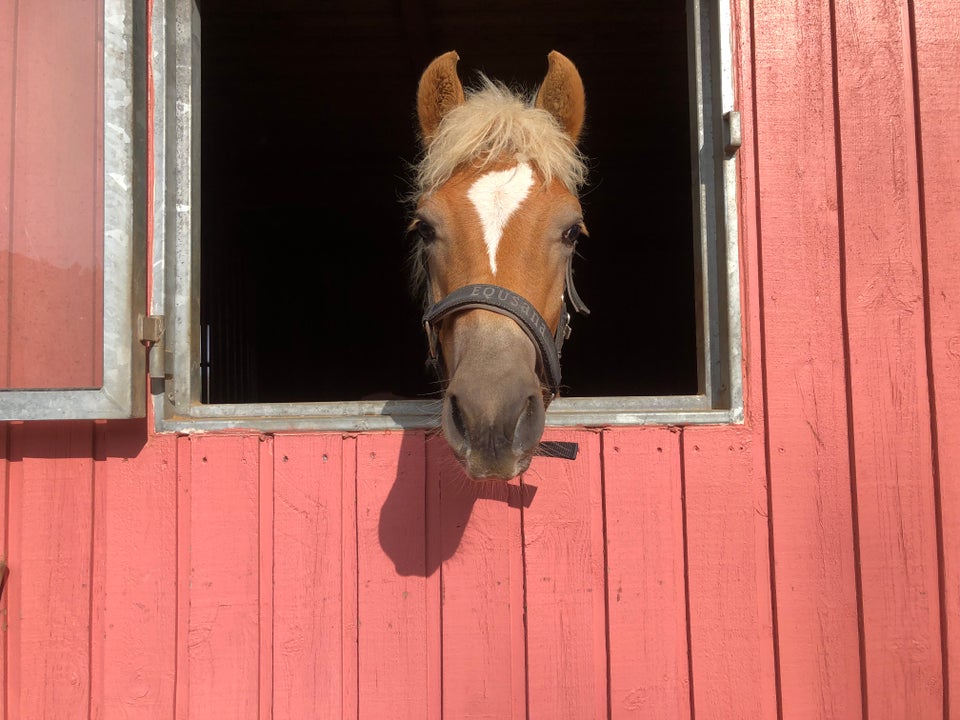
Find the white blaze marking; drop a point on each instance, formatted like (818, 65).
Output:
(496, 196)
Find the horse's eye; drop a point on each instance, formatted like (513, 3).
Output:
(423, 231)
(572, 234)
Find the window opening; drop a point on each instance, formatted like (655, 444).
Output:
(307, 126)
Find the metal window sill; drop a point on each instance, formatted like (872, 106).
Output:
(425, 414)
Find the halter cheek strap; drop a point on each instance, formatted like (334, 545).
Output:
(570, 293)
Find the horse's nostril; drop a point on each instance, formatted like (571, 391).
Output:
(457, 416)
(527, 413)
(531, 405)
(529, 425)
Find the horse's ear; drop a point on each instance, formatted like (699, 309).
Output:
(561, 94)
(440, 92)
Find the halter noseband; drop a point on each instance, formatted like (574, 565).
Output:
(506, 302)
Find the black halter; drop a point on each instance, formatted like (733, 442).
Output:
(506, 302)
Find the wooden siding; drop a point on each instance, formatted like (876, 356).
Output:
(805, 564)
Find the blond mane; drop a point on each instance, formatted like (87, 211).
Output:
(494, 122)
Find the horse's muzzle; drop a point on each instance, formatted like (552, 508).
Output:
(493, 410)
(498, 444)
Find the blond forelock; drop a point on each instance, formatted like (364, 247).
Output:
(495, 123)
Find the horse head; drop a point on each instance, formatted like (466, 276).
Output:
(496, 225)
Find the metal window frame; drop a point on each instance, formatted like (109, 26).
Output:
(122, 394)
(176, 26)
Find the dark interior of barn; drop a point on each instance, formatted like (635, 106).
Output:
(308, 130)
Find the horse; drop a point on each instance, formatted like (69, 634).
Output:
(496, 224)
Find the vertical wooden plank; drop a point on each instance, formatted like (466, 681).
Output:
(888, 371)
(56, 243)
(433, 631)
(727, 574)
(805, 389)
(223, 627)
(13, 681)
(646, 593)
(483, 646)
(728, 631)
(518, 601)
(564, 556)
(349, 642)
(5, 466)
(265, 579)
(308, 603)
(392, 602)
(135, 528)
(98, 577)
(182, 679)
(50, 548)
(937, 48)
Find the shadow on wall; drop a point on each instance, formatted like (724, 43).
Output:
(58, 439)
(426, 512)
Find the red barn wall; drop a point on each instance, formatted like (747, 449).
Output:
(804, 564)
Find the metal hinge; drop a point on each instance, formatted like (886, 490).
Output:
(732, 138)
(151, 328)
